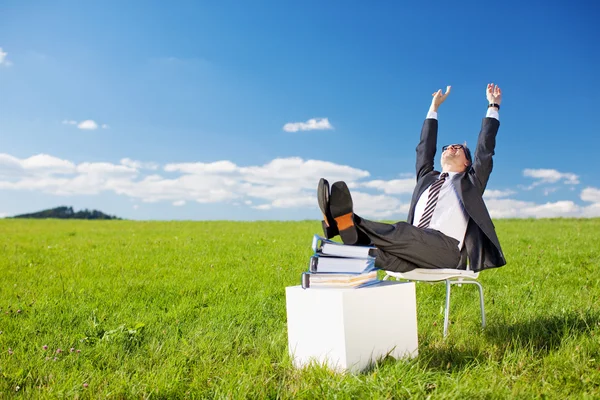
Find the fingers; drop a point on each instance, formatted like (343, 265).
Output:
(448, 88)
(439, 91)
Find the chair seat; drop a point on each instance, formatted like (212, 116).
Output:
(434, 275)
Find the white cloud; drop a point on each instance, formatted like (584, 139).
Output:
(3, 61)
(367, 205)
(551, 176)
(527, 188)
(300, 173)
(282, 183)
(394, 186)
(279, 176)
(12, 168)
(48, 163)
(496, 194)
(303, 201)
(138, 164)
(53, 175)
(377, 206)
(591, 211)
(88, 124)
(549, 190)
(268, 192)
(201, 168)
(310, 125)
(510, 208)
(3, 215)
(590, 194)
(106, 169)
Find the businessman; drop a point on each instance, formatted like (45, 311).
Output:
(448, 223)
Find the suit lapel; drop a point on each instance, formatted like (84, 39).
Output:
(459, 187)
(422, 185)
(426, 182)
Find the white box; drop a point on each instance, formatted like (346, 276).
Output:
(347, 329)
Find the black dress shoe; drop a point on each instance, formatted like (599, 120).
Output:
(329, 228)
(341, 207)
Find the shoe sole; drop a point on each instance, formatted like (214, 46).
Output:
(341, 206)
(323, 199)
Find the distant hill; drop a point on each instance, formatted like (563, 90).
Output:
(67, 213)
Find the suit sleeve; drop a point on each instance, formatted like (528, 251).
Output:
(427, 147)
(483, 163)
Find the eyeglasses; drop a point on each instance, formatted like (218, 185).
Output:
(453, 147)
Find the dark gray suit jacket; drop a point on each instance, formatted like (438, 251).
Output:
(481, 244)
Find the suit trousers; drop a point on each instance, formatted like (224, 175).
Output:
(402, 247)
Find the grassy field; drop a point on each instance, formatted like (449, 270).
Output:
(124, 309)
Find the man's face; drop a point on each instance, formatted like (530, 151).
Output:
(454, 154)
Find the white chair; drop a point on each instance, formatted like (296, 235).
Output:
(451, 277)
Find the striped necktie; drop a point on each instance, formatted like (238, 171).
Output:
(434, 193)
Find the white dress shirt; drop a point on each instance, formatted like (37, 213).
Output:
(491, 113)
(449, 216)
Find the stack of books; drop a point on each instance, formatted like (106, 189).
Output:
(335, 265)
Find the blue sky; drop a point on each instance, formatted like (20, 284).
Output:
(153, 110)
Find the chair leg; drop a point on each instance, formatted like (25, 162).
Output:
(481, 303)
(447, 309)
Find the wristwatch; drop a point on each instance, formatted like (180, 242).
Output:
(494, 105)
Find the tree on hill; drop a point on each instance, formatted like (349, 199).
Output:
(67, 213)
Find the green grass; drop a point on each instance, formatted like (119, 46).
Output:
(197, 310)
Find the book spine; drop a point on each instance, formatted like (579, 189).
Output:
(317, 243)
(312, 267)
(305, 280)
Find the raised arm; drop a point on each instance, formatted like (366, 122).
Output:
(483, 163)
(427, 146)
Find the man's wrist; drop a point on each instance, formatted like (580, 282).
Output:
(432, 113)
(492, 112)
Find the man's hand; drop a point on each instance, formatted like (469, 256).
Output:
(439, 98)
(493, 94)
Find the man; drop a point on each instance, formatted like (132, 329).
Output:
(448, 221)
